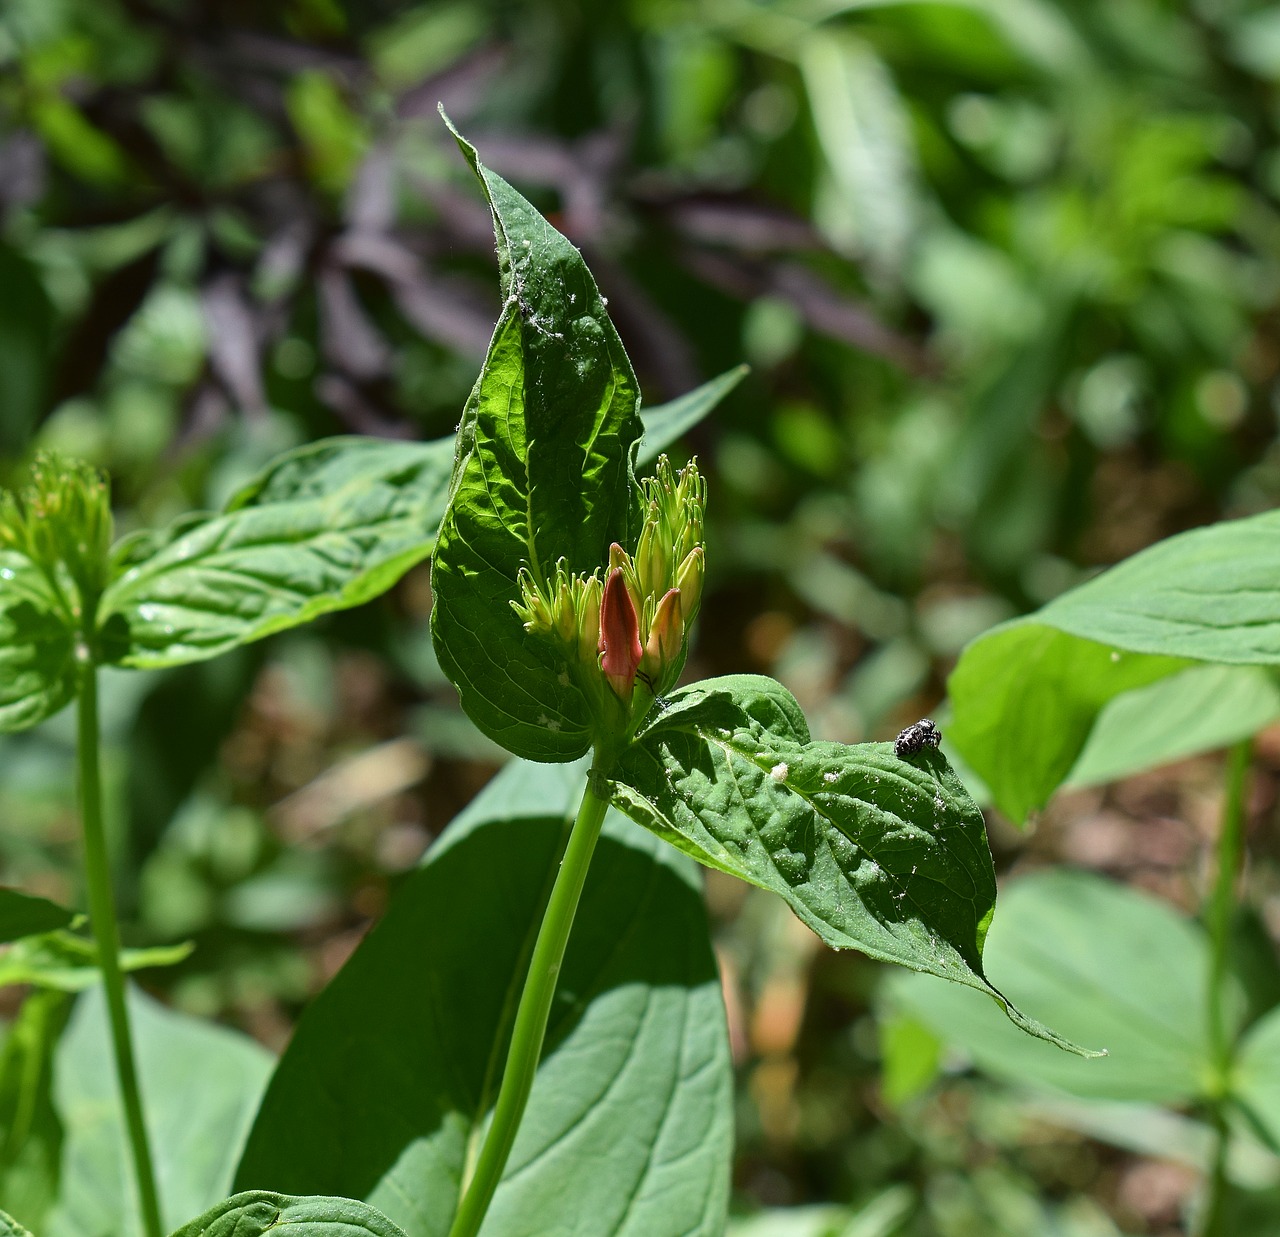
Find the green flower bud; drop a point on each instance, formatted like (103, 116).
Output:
(689, 581)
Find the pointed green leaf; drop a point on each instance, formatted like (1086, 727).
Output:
(384, 1091)
(667, 423)
(328, 526)
(23, 914)
(544, 471)
(1026, 695)
(257, 1212)
(37, 646)
(9, 1227)
(876, 853)
(200, 1086)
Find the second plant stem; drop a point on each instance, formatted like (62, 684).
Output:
(102, 916)
(1220, 914)
(530, 1026)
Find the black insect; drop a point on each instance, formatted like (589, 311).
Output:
(923, 734)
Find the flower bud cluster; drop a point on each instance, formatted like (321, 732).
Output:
(62, 522)
(632, 626)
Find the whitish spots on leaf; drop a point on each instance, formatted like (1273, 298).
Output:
(831, 777)
(779, 772)
(550, 723)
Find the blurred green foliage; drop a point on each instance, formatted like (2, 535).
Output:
(1007, 271)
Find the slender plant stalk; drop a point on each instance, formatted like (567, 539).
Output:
(530, 1025)
(102, 915)
(1220, 913)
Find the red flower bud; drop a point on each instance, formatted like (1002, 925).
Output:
(619, 635)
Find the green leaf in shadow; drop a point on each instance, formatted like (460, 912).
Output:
(384, 1091)
(23, 914)
(872, 851)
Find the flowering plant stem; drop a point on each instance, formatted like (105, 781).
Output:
(530, 1025)
(1219, 914)
(102, 915)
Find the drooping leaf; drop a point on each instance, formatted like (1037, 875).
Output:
(257, 1212)
(876, 853)
(328, 526)
(65, 962)
(384, 1091)
(1098, 960)
(30, 1132)
(543, 471)
(37, 645)
(200, 1087)
(23, 914)
(1026, 695)
(667, 423)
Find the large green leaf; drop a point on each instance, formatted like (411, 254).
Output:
(325, 527)
(384, 1091)
(1027, 694)
(543, 471)
(37, 646)
(1212, 594)
(23, 914)
(254, 1213)
(873, 852)
(1098, 960)
(200, 1087)
(1196, 710)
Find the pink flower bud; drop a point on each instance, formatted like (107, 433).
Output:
(619, 635)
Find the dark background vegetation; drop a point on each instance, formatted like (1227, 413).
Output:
(1007, 273)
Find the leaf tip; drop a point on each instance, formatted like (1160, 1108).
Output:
(1039, 1031)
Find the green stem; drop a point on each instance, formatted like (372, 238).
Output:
(1220, 914)
(102, 915)
(531, 1017)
